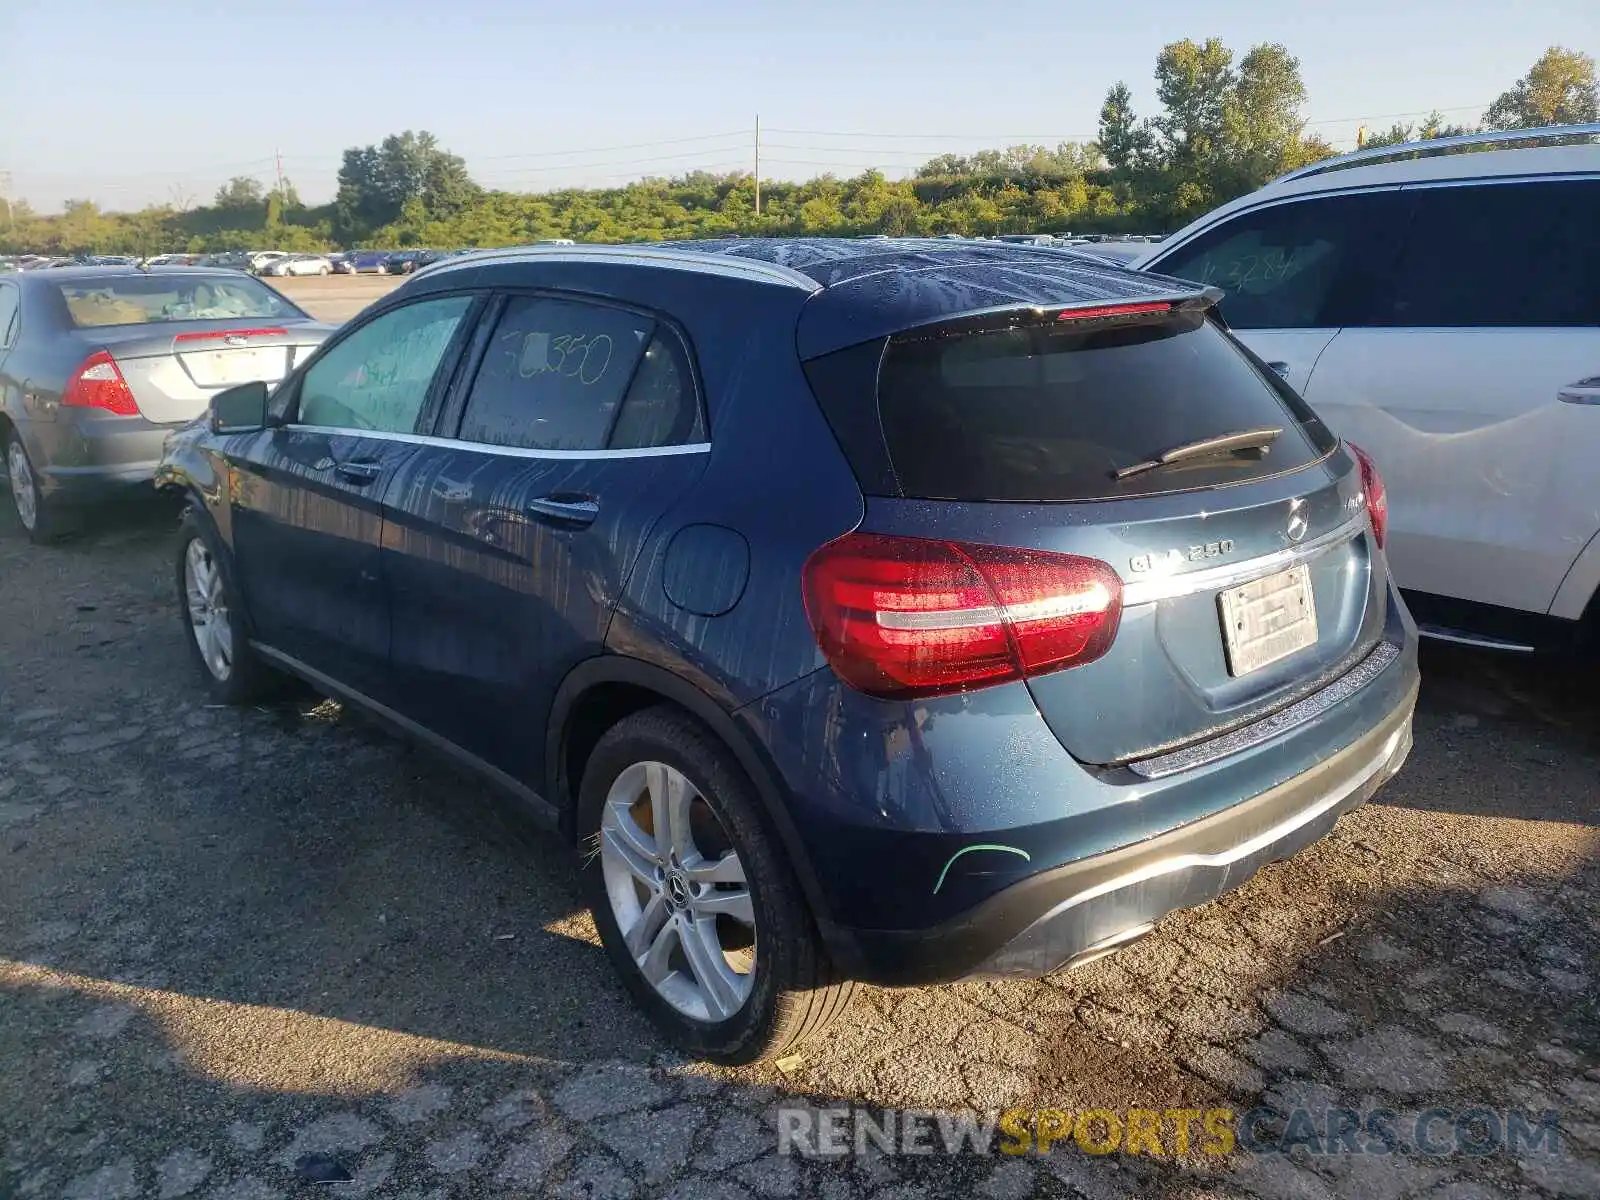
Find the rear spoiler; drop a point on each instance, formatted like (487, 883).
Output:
(1027, 316)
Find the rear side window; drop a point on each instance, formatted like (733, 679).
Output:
(661, 407)
(1302, 265)
(1518, 254)
(554, 374)
(1052, 412)
(567, 375)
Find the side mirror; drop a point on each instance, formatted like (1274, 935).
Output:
(241, 409)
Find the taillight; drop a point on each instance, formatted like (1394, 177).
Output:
(98, 383)
(1377, 495)
(1099, 312)
(902, 617)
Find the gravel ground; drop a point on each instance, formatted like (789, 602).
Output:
(239, 948)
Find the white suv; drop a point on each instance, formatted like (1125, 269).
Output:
(1442, 312)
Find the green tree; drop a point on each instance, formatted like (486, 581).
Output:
(1558, 90)
(1432, 126)
(1261, 113)
(1123, 140)
(240, 192)
(1193, 82)
(377, 182)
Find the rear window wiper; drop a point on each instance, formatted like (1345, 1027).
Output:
(1258, 440)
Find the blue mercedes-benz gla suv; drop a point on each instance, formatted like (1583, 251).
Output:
(884, 611)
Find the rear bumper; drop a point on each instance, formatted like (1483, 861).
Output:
(87, 459)
(1062, 917)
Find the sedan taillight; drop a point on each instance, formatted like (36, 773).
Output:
(1377, 495)
(901, 617)
(98, 383)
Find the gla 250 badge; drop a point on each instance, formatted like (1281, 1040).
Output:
(1141, 563)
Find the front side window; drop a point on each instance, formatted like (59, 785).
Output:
(172, 296)
(554, 374)
(1306, 264)
(1502, 255)
(378, 378)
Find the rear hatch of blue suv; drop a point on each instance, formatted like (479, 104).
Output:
(1121, 598)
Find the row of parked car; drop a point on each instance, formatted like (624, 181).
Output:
(259, 262)
(876, 609)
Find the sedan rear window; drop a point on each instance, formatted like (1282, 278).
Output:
(1055, 411)
(167, 296)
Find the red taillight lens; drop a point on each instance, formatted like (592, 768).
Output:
(902, 617)
(1101, 311)
(1377, 495)
(98, 383)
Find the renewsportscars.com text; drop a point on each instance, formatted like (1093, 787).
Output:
(837, 1132)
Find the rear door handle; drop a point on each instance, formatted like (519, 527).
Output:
(358, 473)
(564, 509)
(1585, 391)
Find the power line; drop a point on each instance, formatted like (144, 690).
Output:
(619, 162)
(702, 137)
(1421, 112)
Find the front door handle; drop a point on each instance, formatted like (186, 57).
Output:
(1585, 391)
(358, 473)
(1279, 368)
(564, 509)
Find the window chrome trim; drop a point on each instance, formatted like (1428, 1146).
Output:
(1274, 724)
(1148, 591)
(421, 439)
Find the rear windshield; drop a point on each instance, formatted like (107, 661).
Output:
(1054, 411)
(147, 299)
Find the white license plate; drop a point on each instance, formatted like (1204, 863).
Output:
(1268, 619)
(223, 368)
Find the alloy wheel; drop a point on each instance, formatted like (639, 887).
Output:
(208, 610)
(678, 892)
(23, 492)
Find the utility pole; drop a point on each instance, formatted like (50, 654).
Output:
(758, 164)
(5, 194)
(277, 153)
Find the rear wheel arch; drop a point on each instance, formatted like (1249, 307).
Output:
(601, 691)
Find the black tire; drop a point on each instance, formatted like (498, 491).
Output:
(796, 992)
(248, 679)
(50, 521)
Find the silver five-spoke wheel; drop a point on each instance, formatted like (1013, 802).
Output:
(208, 610)
(678, 892)
(22, 488)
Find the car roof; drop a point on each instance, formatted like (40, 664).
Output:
(860, 289)
(115, 271)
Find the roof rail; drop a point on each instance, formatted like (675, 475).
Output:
(1432, 146)
(636, 253)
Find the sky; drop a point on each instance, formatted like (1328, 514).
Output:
(133, 103)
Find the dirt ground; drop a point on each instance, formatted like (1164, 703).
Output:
(233, 942)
